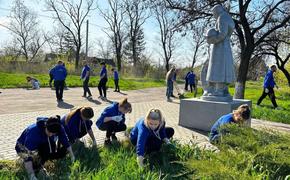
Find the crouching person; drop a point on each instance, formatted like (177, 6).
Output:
(239, 116)
(149, 133)
(37, 144)
(77, 124)
(112, 119)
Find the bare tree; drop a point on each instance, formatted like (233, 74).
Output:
(115, 19)
(167, 33)
(104, 49)
(278, 45)
(24, 26)
(136, 13)
(67, 13)
(254, 22)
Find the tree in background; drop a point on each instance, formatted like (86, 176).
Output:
(24, 27)
(254, 22)
(114, 16)
(136, 15)
(72, 13)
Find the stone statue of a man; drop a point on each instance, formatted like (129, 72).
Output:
(220, 67)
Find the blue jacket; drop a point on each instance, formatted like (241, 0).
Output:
(186, 78)
(225, 119)
(58, 72)
(140, 133)
(116, 75)
(112, 110)
(34, 136)
(74, 126)
(86, 68)
(191, 78)
(103, 71)
(269, 80)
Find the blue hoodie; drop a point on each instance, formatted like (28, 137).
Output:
(86, 68)
(73, 128)
(103, 71)
(34, 136)
(191, 78)
(59, 73)
(116, 75)
(269, 80)
(140, 133)
(225, 119)
(112, 110)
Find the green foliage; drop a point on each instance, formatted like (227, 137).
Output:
(244, 153)
(9, 80)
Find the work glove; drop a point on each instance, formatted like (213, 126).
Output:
(266, 90)
(117, 118)
(140, 161)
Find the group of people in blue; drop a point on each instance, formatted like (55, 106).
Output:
(52, 137)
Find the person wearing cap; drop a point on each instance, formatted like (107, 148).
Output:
(269, 84)
(242, 114)
(37, 144)
(112, 119)
(103, 82)
(77, 124)
(149, 133)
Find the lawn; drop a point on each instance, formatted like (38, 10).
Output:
(244, 154)
(8, 80)
(265, 111)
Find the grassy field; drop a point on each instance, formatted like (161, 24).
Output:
(265, 111)
(244, 154)
(8, 80)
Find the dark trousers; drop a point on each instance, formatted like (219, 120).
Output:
(86, 87)
(57, 152)
(117, 85)
(186, 85)
(192, 87)
(112, 127)
(271, 95)
(102, 87)
(59, 85)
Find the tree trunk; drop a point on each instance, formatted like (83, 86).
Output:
(240, 85)
(167, 65)
(118, 54)
(77, 58)
(286, 73)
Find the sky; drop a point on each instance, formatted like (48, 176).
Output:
(96, 27)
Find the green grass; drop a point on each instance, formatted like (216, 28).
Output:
(266, 111)
(244, 154)
(8, 80)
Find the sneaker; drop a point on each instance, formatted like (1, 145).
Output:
(84, 96)
(114, 138)
(100, 97)
(89, 96)
(172, 96)
(278, 108)
(107, 142)
(169, 100)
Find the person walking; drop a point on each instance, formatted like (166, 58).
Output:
(59, 74)
(103, 81)
(116, 80)
(85, 77)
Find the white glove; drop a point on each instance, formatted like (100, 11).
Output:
(32, 177)
(140, 160)
(266, 90)
(117, 118)
(72, 158)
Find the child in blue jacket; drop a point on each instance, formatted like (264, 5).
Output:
(77, 124)
(242, 114)
(112, 119)
(38, 142)
(149, 133)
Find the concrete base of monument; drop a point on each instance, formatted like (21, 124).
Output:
(200, 114)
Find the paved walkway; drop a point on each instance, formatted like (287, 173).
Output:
(20, 107)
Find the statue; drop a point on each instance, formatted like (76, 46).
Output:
(220, 70)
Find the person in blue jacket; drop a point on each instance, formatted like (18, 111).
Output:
(85, 77)
(191, 80)
(37, 144)
(186, 81)
(103, 81)
(112, 119)
(116, 80)
(77, 124)
(149, 133)
(59, 74)
(269, 84)
(240, 116)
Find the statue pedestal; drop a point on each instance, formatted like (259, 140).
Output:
(200, 114)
